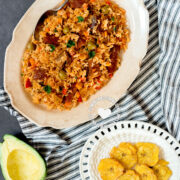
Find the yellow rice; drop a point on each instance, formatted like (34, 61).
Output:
(58, 69)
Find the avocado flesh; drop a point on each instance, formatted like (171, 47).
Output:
(20, 161)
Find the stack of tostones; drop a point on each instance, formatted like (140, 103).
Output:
(134, 162)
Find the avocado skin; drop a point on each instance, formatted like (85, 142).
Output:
(6, 136)
(3, 173)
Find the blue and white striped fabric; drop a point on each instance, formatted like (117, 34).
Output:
(154, 97)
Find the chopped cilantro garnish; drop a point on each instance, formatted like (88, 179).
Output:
(52, 47)
(92, 54)
(80, 19)
(70, 44)
(47, 89)
(75, 77)
(115, 28)
(55, 30)
(22, 74)
(113, 19)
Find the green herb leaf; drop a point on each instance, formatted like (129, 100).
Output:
(115, 28)
(75, 77)
(80, 19)
(92, 54)
(52, 47)
(47, 89)
(113, 19)
(70, 44)
(22, 74)
(55, 30)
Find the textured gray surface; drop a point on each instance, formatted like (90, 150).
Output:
(10, 13)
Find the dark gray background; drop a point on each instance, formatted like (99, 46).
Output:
(10, 13)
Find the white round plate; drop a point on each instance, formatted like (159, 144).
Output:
(100, 143)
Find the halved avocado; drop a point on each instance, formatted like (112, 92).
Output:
(19, 161)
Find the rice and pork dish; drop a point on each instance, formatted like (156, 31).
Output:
(76, 54)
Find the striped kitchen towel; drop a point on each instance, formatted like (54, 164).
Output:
(154, 97)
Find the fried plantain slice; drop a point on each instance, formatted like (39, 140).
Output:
(162, 171)
(148, 153)
(110, 169)
(125, 153)
(129, 175)
(145, 172)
